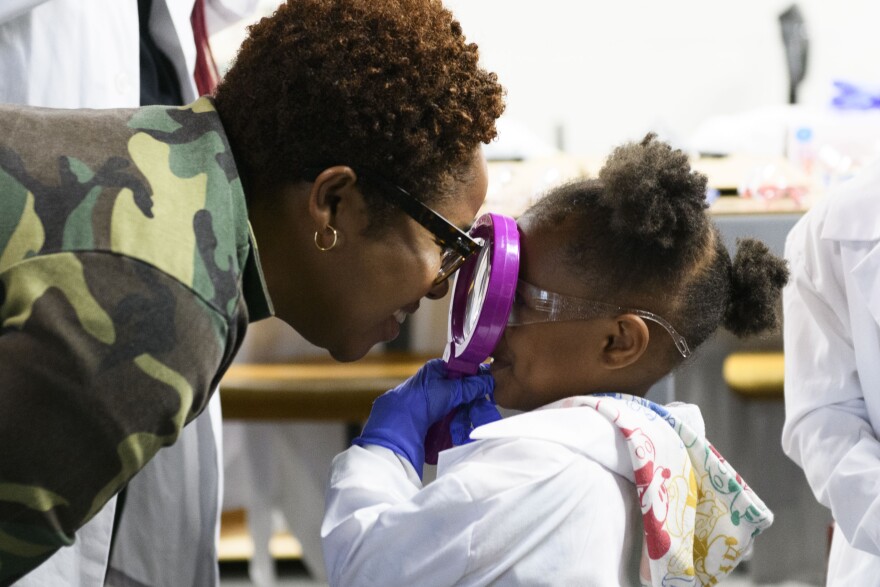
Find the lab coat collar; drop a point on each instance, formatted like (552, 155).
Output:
(854, 208)
(853, 217)
(583, 430)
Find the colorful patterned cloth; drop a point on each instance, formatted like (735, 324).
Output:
(700, 517)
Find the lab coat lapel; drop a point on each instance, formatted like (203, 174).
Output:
(582, 430)
(862, 261)
(172, 31)
(853, 220)
(866, 275)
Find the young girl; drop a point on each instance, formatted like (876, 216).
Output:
(621, 279)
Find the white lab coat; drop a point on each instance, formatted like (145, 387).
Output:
(93, 59)
(544, 498)
(86, 54)
(832, 368)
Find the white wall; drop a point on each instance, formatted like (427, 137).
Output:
(610, 71)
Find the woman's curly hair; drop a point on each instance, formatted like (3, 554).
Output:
(643, 238)
(388, 86)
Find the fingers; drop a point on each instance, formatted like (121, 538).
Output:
(437, 367)
(480, 411)
(483, 411)
(476, 386)
(433, 370)
(460, 427)
(438, 437)
(443, 393)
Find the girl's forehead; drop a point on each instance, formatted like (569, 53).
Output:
(543, 260)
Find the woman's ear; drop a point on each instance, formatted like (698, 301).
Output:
(626, 342)
(334, 187)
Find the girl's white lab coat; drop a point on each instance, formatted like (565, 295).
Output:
(86, 54)
(544, 498)
(832, 369)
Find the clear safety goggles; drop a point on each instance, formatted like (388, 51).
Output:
(533, 305)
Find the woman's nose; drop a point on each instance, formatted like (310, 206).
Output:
(438, 291)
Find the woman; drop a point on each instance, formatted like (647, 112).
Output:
(621, 279)
(71, 54)
(128, 255)
(365, 122)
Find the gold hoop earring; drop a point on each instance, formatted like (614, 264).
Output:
(333, 244)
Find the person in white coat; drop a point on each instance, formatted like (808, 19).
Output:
(73, 54)
(832, 368)
(621, 278)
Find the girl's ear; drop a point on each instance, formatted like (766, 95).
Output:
(626, 342)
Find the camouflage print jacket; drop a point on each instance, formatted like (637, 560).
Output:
(124, 251)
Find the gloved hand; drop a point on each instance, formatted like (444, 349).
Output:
(467, 417)
(454, 429)
(400, 418)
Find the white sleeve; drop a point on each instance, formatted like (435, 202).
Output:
(827, 428)
(379, 529)
(499, 509)
(10, 9)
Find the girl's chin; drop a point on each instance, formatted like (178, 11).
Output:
(508, 394)
(504, 399)
(519, 400)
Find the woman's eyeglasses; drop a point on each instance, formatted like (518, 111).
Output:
(533, 305)
(455, 244)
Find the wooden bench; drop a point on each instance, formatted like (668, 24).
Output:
(755, 374)
(316, 390)
(236, 544)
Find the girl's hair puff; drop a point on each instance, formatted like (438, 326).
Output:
(641, 237)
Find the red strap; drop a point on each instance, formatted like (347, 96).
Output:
(206, 74)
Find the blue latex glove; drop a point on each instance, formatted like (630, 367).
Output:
(473, 415)
(400, 418)
(455, 428)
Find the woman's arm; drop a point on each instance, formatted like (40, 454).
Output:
(103, 359)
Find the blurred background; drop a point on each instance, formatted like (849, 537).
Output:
(776, 102)
(585, 76)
